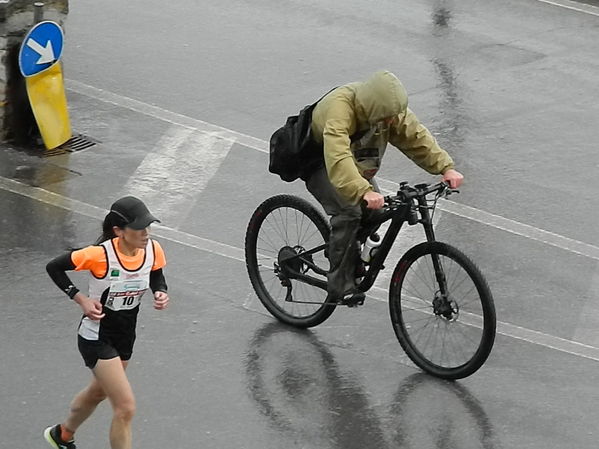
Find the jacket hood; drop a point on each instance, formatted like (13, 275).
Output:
(381, 96)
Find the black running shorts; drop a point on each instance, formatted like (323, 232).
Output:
(94, 350)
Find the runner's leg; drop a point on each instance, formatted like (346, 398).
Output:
(83, 405)
(111, 376)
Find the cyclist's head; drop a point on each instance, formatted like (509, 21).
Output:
(126, 213)
(382, 97)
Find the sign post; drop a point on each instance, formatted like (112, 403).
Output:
(39, 63)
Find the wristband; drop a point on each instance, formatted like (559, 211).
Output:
(71, 291)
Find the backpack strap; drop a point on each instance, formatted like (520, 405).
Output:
(318, 101)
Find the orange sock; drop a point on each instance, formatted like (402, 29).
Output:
(66, 434)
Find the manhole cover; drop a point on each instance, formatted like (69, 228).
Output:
(76, 143)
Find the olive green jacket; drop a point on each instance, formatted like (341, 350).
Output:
(360, 109)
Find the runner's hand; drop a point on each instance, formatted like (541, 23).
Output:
(161, 300)
(92, 308)
(374, 200)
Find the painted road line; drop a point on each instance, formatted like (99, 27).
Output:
(574, 6)
(524, 334)
(98, 213)
(165, 115)
(505, 224)
(176, 171)
(234, 253)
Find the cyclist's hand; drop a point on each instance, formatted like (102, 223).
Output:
(161, 300)
(92, 308)
(453, 177)
(374, 200)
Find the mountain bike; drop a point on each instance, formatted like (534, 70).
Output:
(441, 307)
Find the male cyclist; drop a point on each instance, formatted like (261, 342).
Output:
(354, 123)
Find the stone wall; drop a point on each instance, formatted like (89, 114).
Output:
(16, 19)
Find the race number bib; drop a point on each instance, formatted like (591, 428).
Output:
(125, 294)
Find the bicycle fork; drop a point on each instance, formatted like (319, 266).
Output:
(442, 304)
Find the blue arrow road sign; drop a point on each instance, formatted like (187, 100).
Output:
(41, 48)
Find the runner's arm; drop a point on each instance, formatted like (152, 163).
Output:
(57, 268)
(157, 281)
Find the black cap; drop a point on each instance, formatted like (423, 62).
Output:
(134, 212)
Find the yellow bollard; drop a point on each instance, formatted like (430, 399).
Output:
(49, 104)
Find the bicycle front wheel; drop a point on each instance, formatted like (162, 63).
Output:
(281, 227)
(446, 331)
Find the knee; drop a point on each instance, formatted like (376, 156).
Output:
(125, 410)
(89, 397)
(349, 217)
(96, 394)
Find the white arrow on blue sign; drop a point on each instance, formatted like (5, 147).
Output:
(41, 48)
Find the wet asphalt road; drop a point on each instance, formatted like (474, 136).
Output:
(508, 87)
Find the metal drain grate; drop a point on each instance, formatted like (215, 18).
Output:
(76, 143)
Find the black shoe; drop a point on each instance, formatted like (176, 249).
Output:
(52, 436)
(353, 299)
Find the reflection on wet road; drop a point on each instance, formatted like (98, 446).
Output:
(298, 385)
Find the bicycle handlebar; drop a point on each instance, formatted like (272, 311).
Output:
(407, 192)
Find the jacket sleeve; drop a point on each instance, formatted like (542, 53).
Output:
(417, 143)
(343, 173)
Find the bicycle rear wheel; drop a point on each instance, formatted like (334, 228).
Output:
(447, 335)
(284, 226)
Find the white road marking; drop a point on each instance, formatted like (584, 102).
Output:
(506, 224)
(234, 253)
(463, 211)
(91, 211)
(521, 333)
(165, 115)
(587, 328)
(575, 6)
(175, 172)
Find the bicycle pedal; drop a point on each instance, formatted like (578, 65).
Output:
(355, 300)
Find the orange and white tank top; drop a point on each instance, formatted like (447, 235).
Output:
(120, 289)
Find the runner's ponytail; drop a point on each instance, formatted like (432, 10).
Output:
(112, 219)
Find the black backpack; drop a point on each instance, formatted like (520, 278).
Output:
(293, 152)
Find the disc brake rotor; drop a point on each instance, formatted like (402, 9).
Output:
(445, 307)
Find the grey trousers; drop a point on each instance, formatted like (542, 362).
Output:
(343, 245)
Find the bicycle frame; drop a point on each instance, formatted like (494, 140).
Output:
(289, 272)
(401, 209)
(398, 217)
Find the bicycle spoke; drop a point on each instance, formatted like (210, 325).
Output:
(269, 238)
(291, 228)
(418, 295)
(261, 251)
(275, 248)
(275, 227)
(466, 277)
(431, 272)
(447, 343)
